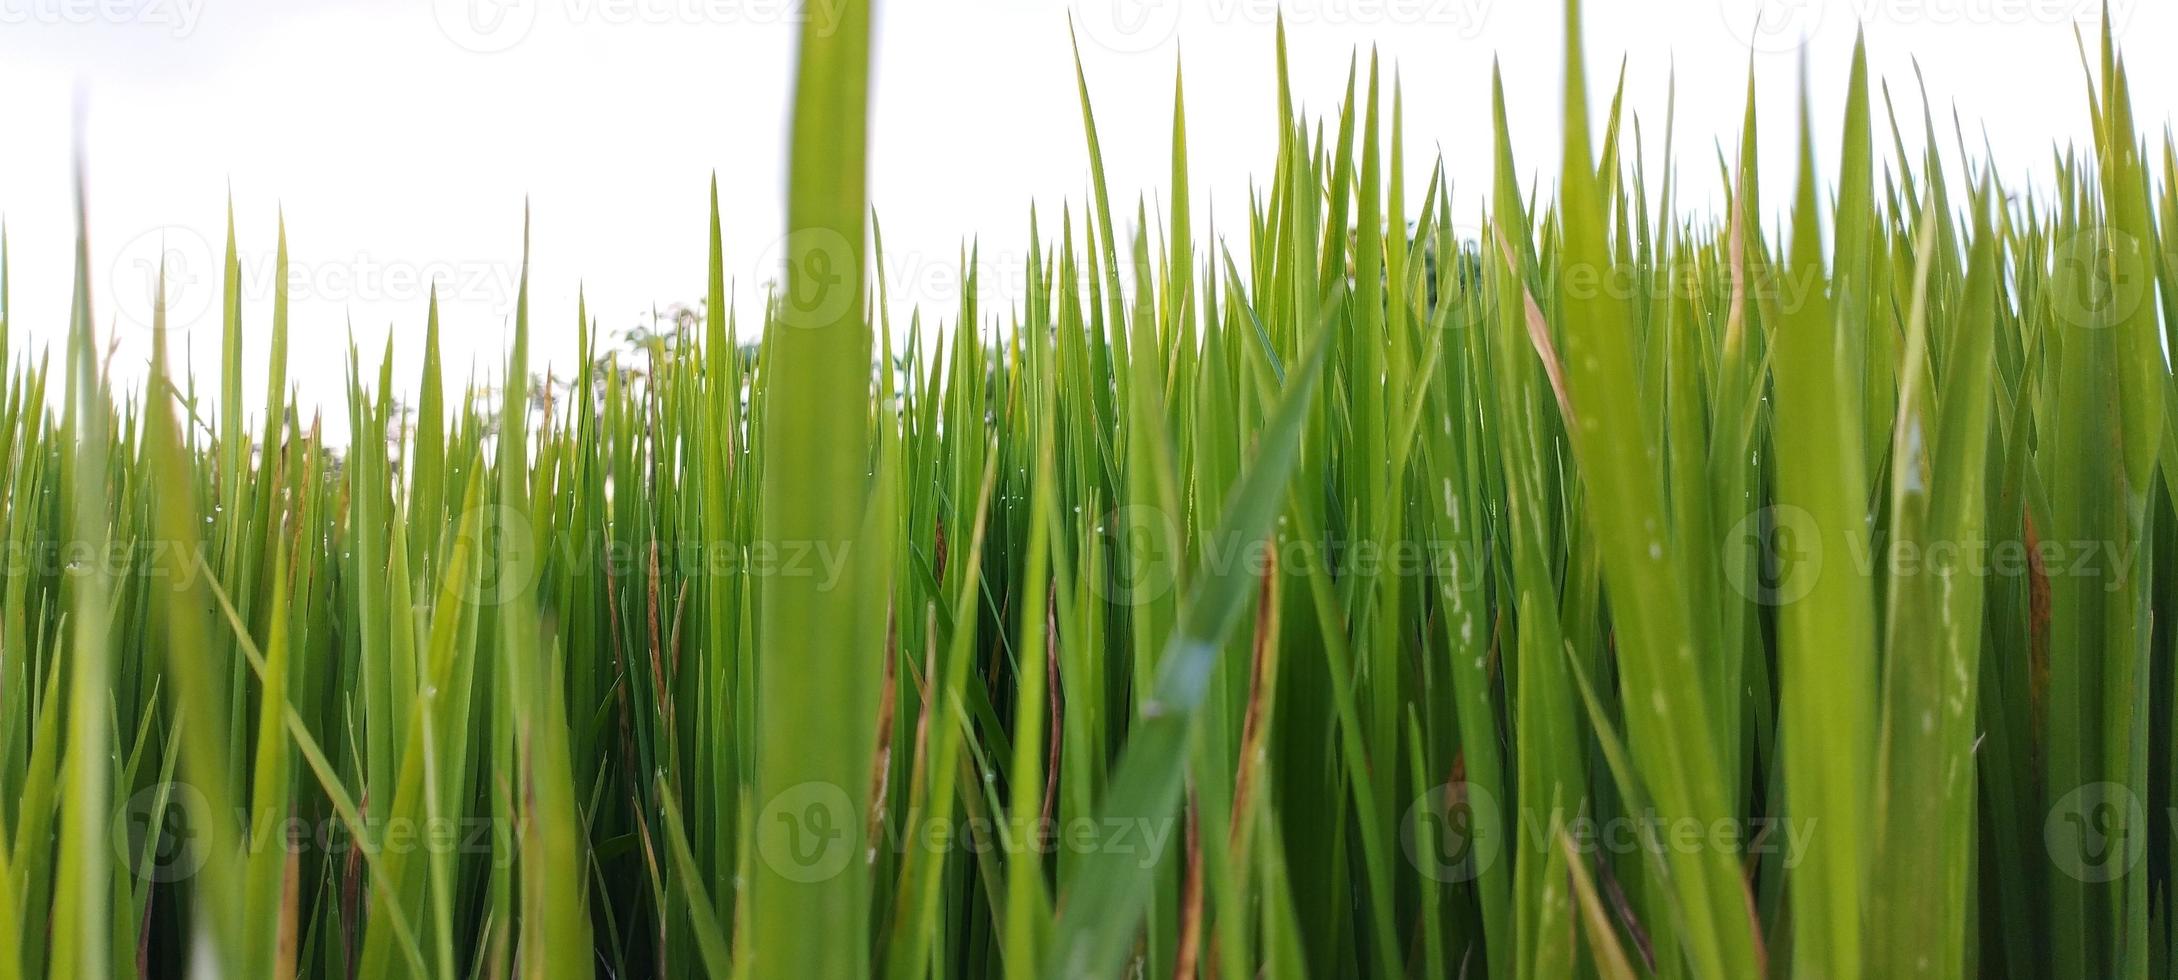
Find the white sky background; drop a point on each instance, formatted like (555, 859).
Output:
(402, 136)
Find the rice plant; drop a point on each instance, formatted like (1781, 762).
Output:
(1608, 592)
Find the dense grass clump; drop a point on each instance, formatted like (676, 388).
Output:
(1611, 593)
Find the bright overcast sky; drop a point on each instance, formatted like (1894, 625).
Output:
(402, 136)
